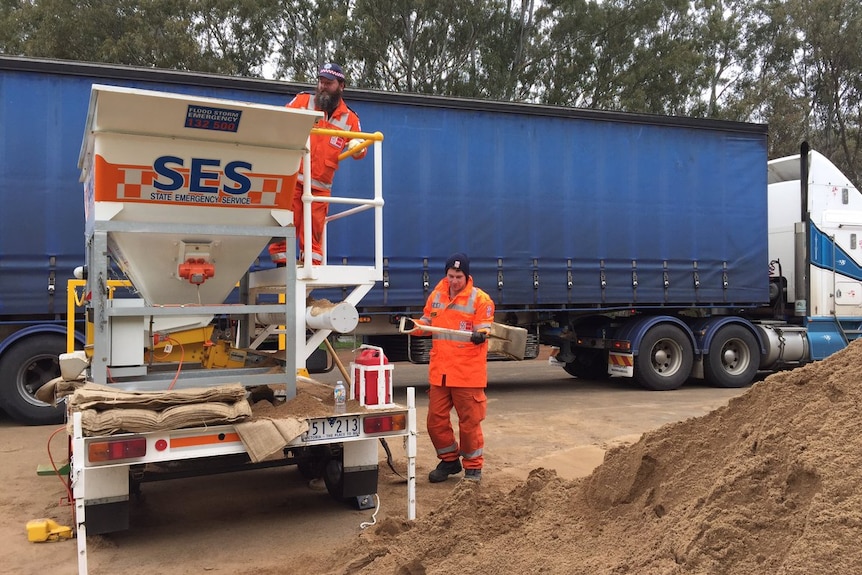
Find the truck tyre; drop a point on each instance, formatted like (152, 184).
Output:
(25, 367)
(733, 357)
(589, 364)
(665, 359)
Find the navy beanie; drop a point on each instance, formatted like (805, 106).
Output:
(458, 262)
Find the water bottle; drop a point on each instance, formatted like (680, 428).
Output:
(340, 393)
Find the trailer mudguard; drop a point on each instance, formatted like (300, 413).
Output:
(704, 330)
(634, 330)
(32, 330)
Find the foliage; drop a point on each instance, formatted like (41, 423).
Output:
(794, 64)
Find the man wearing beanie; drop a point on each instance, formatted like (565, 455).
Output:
(458, 371)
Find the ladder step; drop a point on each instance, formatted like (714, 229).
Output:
(46, 469)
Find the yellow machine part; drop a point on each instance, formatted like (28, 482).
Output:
(186, 345)
(221, 354)
(39, 530)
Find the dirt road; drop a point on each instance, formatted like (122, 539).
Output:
(271, 521)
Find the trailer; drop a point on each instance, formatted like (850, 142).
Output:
(181, 195)
(642, 246)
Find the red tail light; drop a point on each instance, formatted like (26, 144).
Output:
(116, 449)
(384, 423)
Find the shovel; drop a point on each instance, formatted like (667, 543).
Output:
(508, 340)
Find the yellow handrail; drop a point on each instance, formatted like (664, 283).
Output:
(368, 137)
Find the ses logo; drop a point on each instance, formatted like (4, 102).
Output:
(203, 174)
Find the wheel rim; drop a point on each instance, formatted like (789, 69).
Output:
(36, 374)
(735, 356)
(666, 357)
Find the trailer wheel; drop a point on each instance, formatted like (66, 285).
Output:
(25, 367)
(589, 364)
(733, 357)
(333, 478)
(665, 359)
(312, 462)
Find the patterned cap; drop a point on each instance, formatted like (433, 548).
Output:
(331, 71)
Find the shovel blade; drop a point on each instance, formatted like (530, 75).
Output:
(508, 340)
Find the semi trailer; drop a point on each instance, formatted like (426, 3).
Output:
(652, 247)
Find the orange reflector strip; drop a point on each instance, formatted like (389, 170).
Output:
(623, 360)
(198, 440)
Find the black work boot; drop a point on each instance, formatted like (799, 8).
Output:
(444, 470)
(473, 474)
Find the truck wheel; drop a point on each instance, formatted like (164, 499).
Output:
(589, 364)
(733, 357)
(665, 359)
(25, 367)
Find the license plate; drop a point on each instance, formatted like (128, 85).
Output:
(332, 428)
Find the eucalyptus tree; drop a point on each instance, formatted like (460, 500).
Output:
(11, 34)
(719, 37)
(425, 46)
(506, 62)
(135, 32)
(632, 55)
(830, 68)
(575, 67)
(303, 34)
(764, 84)
(236, 33)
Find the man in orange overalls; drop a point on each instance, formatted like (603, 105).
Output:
(327, 98)
(458, 370)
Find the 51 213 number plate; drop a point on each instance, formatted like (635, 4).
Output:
(332, 428)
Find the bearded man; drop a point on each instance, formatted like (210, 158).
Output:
(327, 98)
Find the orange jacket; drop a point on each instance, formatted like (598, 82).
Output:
(461, 362)
(326, 149)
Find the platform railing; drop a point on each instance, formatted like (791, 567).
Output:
(307, 270)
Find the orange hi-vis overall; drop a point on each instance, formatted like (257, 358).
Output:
(324, 163)
(458, 372)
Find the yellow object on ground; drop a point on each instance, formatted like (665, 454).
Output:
(47, 530)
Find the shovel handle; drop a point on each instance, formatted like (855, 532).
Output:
(402, 327)
(337, 361)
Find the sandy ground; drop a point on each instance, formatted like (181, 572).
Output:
(737, 482)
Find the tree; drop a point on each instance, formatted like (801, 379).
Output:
(235, 33)
(11, 35)
(304, 34)
(424, 46)
(794, 64)
(504, 65)
(573, 68)
(831, 64)
(143, 33)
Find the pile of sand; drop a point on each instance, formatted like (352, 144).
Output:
(768, 484)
